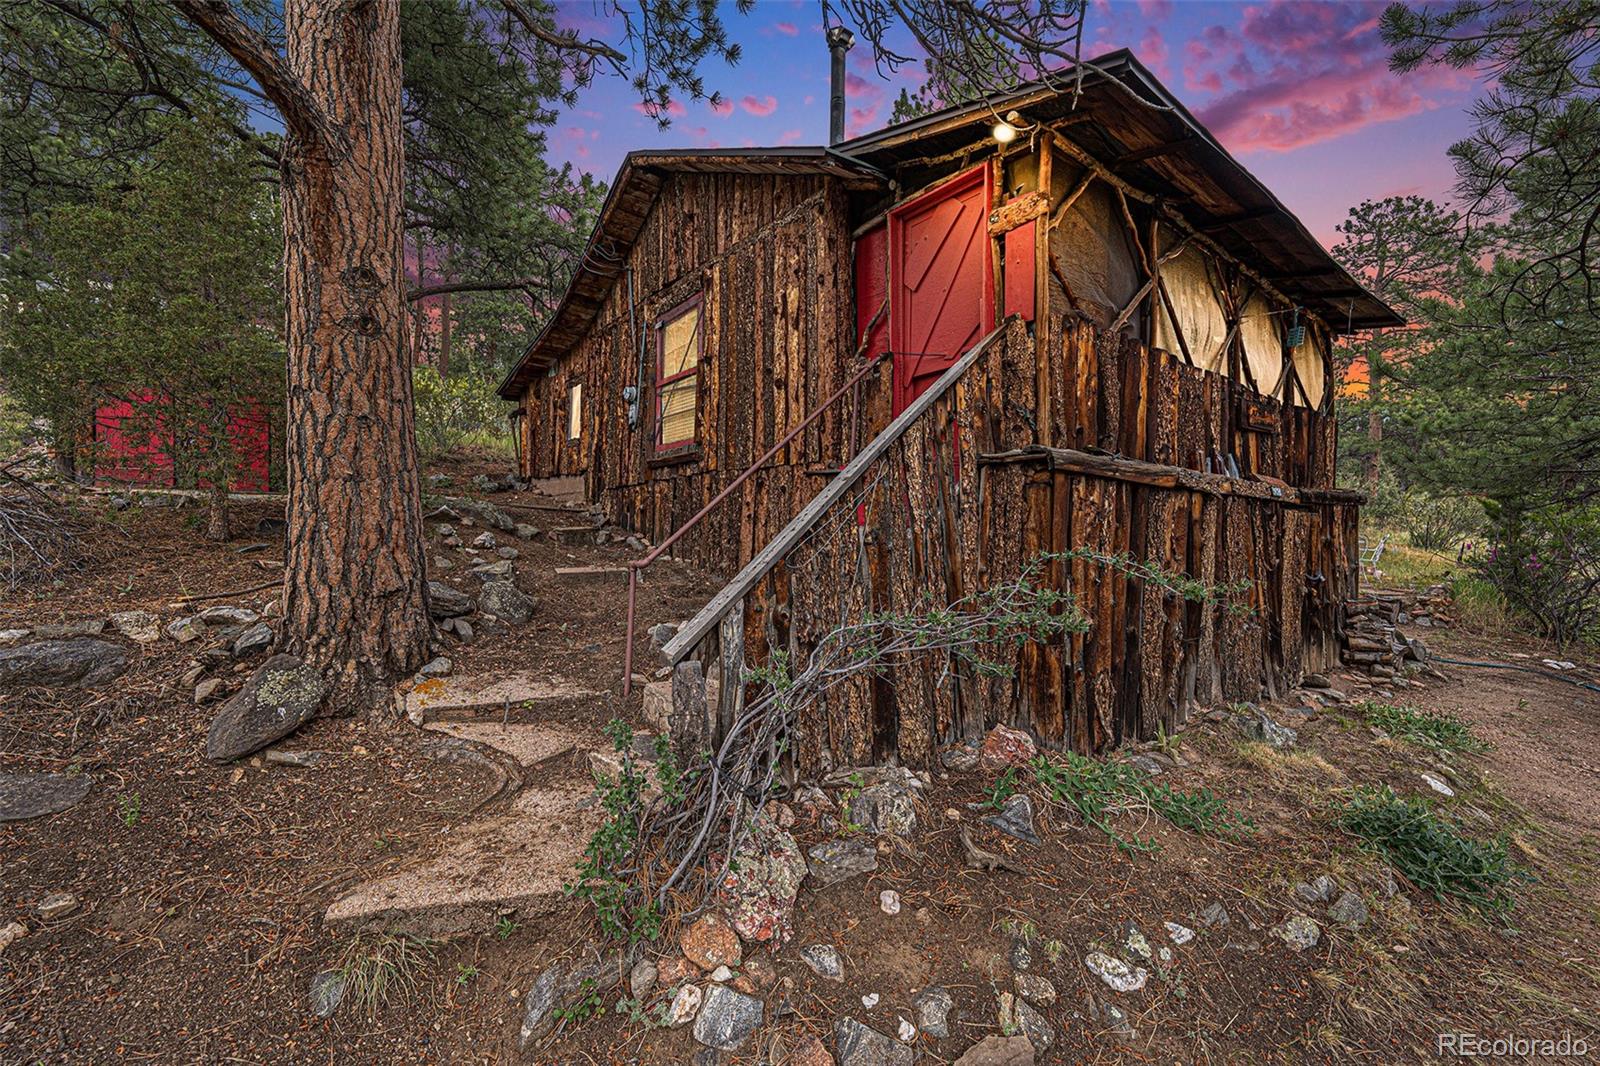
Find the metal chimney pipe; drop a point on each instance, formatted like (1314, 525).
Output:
(840, 41)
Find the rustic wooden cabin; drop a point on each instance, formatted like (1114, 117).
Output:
(902, 366)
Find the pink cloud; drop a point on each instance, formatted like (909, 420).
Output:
(1153, 51)
(760, 108)
(723, 109)
(1155, 10)
(791, 136)
(674, 109)
(788, 29)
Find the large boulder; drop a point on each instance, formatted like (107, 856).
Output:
(728, 1018)
(141, 627)
(506, 602)
(487, 513)
(52, 663)
(856, 1045)
(762, 882)
(280, 697)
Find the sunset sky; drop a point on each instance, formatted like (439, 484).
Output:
(1299, 92)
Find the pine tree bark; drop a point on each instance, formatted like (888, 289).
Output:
(217, 525)
(355, 599)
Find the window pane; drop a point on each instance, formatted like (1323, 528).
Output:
(575, 411)
(680, 348)
(677, 412)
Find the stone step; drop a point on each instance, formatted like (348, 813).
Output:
(458, 696)
(528, 743)
(574, 535)
(486, 868)
(589, 572)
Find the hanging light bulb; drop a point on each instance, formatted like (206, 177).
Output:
(1004, 132)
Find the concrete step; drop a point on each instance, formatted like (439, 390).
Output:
(528, 743)
(488, 867)
(460, 695)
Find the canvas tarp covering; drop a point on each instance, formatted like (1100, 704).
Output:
(1199, 315)
(1263, 347)
(1091, 247)
(1309, 365)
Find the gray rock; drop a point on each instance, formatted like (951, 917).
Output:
(507, 552)
(1035, 989)
(885, 808)
(1040, 1033)
(727, 1019)
(1349, 910)
(439, 666)
(207, 689)
(933, 1011)
(506, 602)
(840, 860)
(281, 696)
(960, 758)
(685, 1005)
(446, 530)
(301, 759)
(998, 1051)
(89, 627)
(660, 634)
(487, 513)
(463, 629)
(525, 531)
(1148, 764)
(446, 602)
(494, 571)
(562, 982)
(824, 961)
(57, 905)
(484, 540)
(1117, 974)
(141, 627)
(327, 990)
(856, 1045)
(642, 979)
(255, 639)
(11, 933)
(183, 630)
(1021, 954)
(437, 480)
(9, 637)
(25, 796)
(1257, 725)
(1299, 932)
(1214, 916)
(1318, 890)
(53, 663)
(1015, 819)
(224, 615)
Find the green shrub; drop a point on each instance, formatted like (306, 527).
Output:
(1431, 852)
(454, 410)
(1431, 729)
(1097, 790)
(1545, 561)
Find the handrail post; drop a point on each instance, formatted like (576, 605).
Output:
(627, 650)
(636, 565)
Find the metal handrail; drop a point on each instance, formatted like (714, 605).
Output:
(636, 565)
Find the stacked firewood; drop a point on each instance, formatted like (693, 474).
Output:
(1373, 642)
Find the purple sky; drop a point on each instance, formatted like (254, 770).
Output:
(1298, 91)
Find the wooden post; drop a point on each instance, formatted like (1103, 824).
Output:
(688, 722)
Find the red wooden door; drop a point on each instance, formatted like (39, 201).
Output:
(941, 281)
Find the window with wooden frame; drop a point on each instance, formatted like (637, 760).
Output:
(678, 348)
(574, 411)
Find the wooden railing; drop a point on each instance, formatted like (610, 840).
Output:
(716, 633)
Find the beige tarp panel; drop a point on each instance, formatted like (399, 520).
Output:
(1263, 348)
(1199, 315)
(1091, 246)
(1309, 361)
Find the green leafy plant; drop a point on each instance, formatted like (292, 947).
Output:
(1432, 853)
(455, 410)
(505, 925)
(587, 1005)
(128, 805)
(1004, 787)
(465, 974)
(1099, 790)
(1431, 729)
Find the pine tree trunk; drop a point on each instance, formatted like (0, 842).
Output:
(217, 526)
(1374, 429)
(355, 587)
